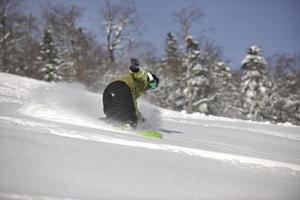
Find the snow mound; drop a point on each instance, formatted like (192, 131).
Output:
(66, 103)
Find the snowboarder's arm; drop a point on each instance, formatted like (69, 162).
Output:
(141, 75)
(137, 73)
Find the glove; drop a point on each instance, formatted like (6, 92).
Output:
(134, 65)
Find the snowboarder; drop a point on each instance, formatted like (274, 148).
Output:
(120, 96)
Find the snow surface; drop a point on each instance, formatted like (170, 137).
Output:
(54, 147)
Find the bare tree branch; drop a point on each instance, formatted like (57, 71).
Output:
(187, 18)
(120, 18)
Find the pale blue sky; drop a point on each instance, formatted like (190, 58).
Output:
(273, 25)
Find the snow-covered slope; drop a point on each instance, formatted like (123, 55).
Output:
(53, 146)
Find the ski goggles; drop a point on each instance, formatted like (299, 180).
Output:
(152, 83)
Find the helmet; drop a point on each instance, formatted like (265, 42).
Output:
(254, 50)
(153, 81)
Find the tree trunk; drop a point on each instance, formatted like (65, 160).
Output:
(189, 108)
(110, 48)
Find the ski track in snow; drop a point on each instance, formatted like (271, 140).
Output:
(271, 133)
(222, 145)
(96, 137)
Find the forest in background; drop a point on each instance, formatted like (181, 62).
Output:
(194, 75)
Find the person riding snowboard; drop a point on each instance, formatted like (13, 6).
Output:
(120, 96)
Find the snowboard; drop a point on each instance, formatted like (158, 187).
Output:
(150, 133)
(144, 132)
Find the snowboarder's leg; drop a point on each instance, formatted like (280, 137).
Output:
(118, 104)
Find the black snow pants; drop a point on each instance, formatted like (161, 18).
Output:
(118, 103)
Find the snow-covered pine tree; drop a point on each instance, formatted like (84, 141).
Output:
(274, 110)
(170, 68)
(254, 86)
(17, 43)
(286, 91)
(224, 94)
(48, 62)
(195, 80)
(292, 103)
(68, 38)
(173, 60)
(5, 41)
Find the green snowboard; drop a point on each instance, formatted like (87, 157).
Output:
(150, 133)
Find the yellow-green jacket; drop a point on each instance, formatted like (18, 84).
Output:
(138, 84)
